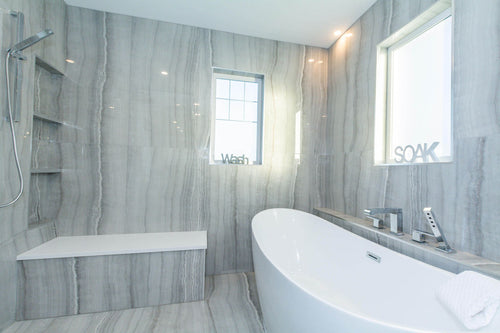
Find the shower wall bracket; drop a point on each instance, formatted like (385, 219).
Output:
(18, 70)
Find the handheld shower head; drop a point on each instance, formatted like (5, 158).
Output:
(29, 41)
(15, 52)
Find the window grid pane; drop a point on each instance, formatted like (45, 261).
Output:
(237, 120)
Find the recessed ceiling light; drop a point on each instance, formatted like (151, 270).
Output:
(311, 60)
(111, 107)
(349, 34)
(69, 61)
(163, 73)
(320, 61)
(337, 33)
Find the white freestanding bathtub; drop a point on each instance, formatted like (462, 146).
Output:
(313, 276)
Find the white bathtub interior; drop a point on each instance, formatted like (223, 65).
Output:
(331, 265)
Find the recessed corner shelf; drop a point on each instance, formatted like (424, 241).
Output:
(48, 67)
(47, 118)
(45, 170)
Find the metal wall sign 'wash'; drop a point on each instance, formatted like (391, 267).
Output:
(234, 159)
(410, 154)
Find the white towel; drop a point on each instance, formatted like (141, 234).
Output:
(472, 297)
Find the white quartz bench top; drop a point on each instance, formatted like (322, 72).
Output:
(99, 245)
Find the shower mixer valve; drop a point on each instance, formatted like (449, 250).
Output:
(437, 232)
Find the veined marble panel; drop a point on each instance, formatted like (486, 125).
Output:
(227, 298)
(231, 306)
(149, 169)
(476, 68)
(8, 275)
(184, 317)
(312, 129)
(66, 286)
(14, 233)
(464, 194)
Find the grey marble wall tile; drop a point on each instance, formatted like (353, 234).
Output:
(477, 190)
(14, 219)
(150, 167)
(45, 198)
(312, 129)
(464, 201)
(45, 154)
(148, 102)
(47, 93)
(8, 278)
(351, 79)
(476, 68)
(46, 288)
(57, 287)
(230, 305)
(8, 251)
(183, 317)
(81, 96)
(34, 236)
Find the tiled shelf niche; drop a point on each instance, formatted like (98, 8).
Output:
(46, 159)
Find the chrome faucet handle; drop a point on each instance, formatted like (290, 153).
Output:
(396, 218)
(376, 222)
(419, 235)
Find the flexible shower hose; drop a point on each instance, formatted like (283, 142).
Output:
(13, 132)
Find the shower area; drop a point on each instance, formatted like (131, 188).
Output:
(112, 120)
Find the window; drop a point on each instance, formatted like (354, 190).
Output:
(413, 116)
(237, 118)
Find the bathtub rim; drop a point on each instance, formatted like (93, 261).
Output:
(329, 303)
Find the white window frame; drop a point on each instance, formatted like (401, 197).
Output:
(436, 14)
(220, 73)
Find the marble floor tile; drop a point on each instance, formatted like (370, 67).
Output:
(231, 305)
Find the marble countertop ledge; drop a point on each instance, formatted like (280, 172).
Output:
(453, 262)
(99, 245)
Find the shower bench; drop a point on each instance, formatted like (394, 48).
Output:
(84, 274)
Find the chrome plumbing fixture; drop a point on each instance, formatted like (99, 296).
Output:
(437, 232)
(396, 218)
(15, 52)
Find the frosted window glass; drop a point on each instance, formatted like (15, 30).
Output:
(237, 110)
(237, 90)
(237, 118)
(237, 138)
(251, 91)
(222, 109)
(420, 91)
(251, 111)
(222, 88)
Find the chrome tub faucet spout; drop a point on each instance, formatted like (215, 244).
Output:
(396, 218)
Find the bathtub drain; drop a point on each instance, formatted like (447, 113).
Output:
(373, 256)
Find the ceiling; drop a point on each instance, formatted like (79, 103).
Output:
(309, 22)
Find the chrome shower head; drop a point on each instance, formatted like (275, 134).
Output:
(30, 41)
